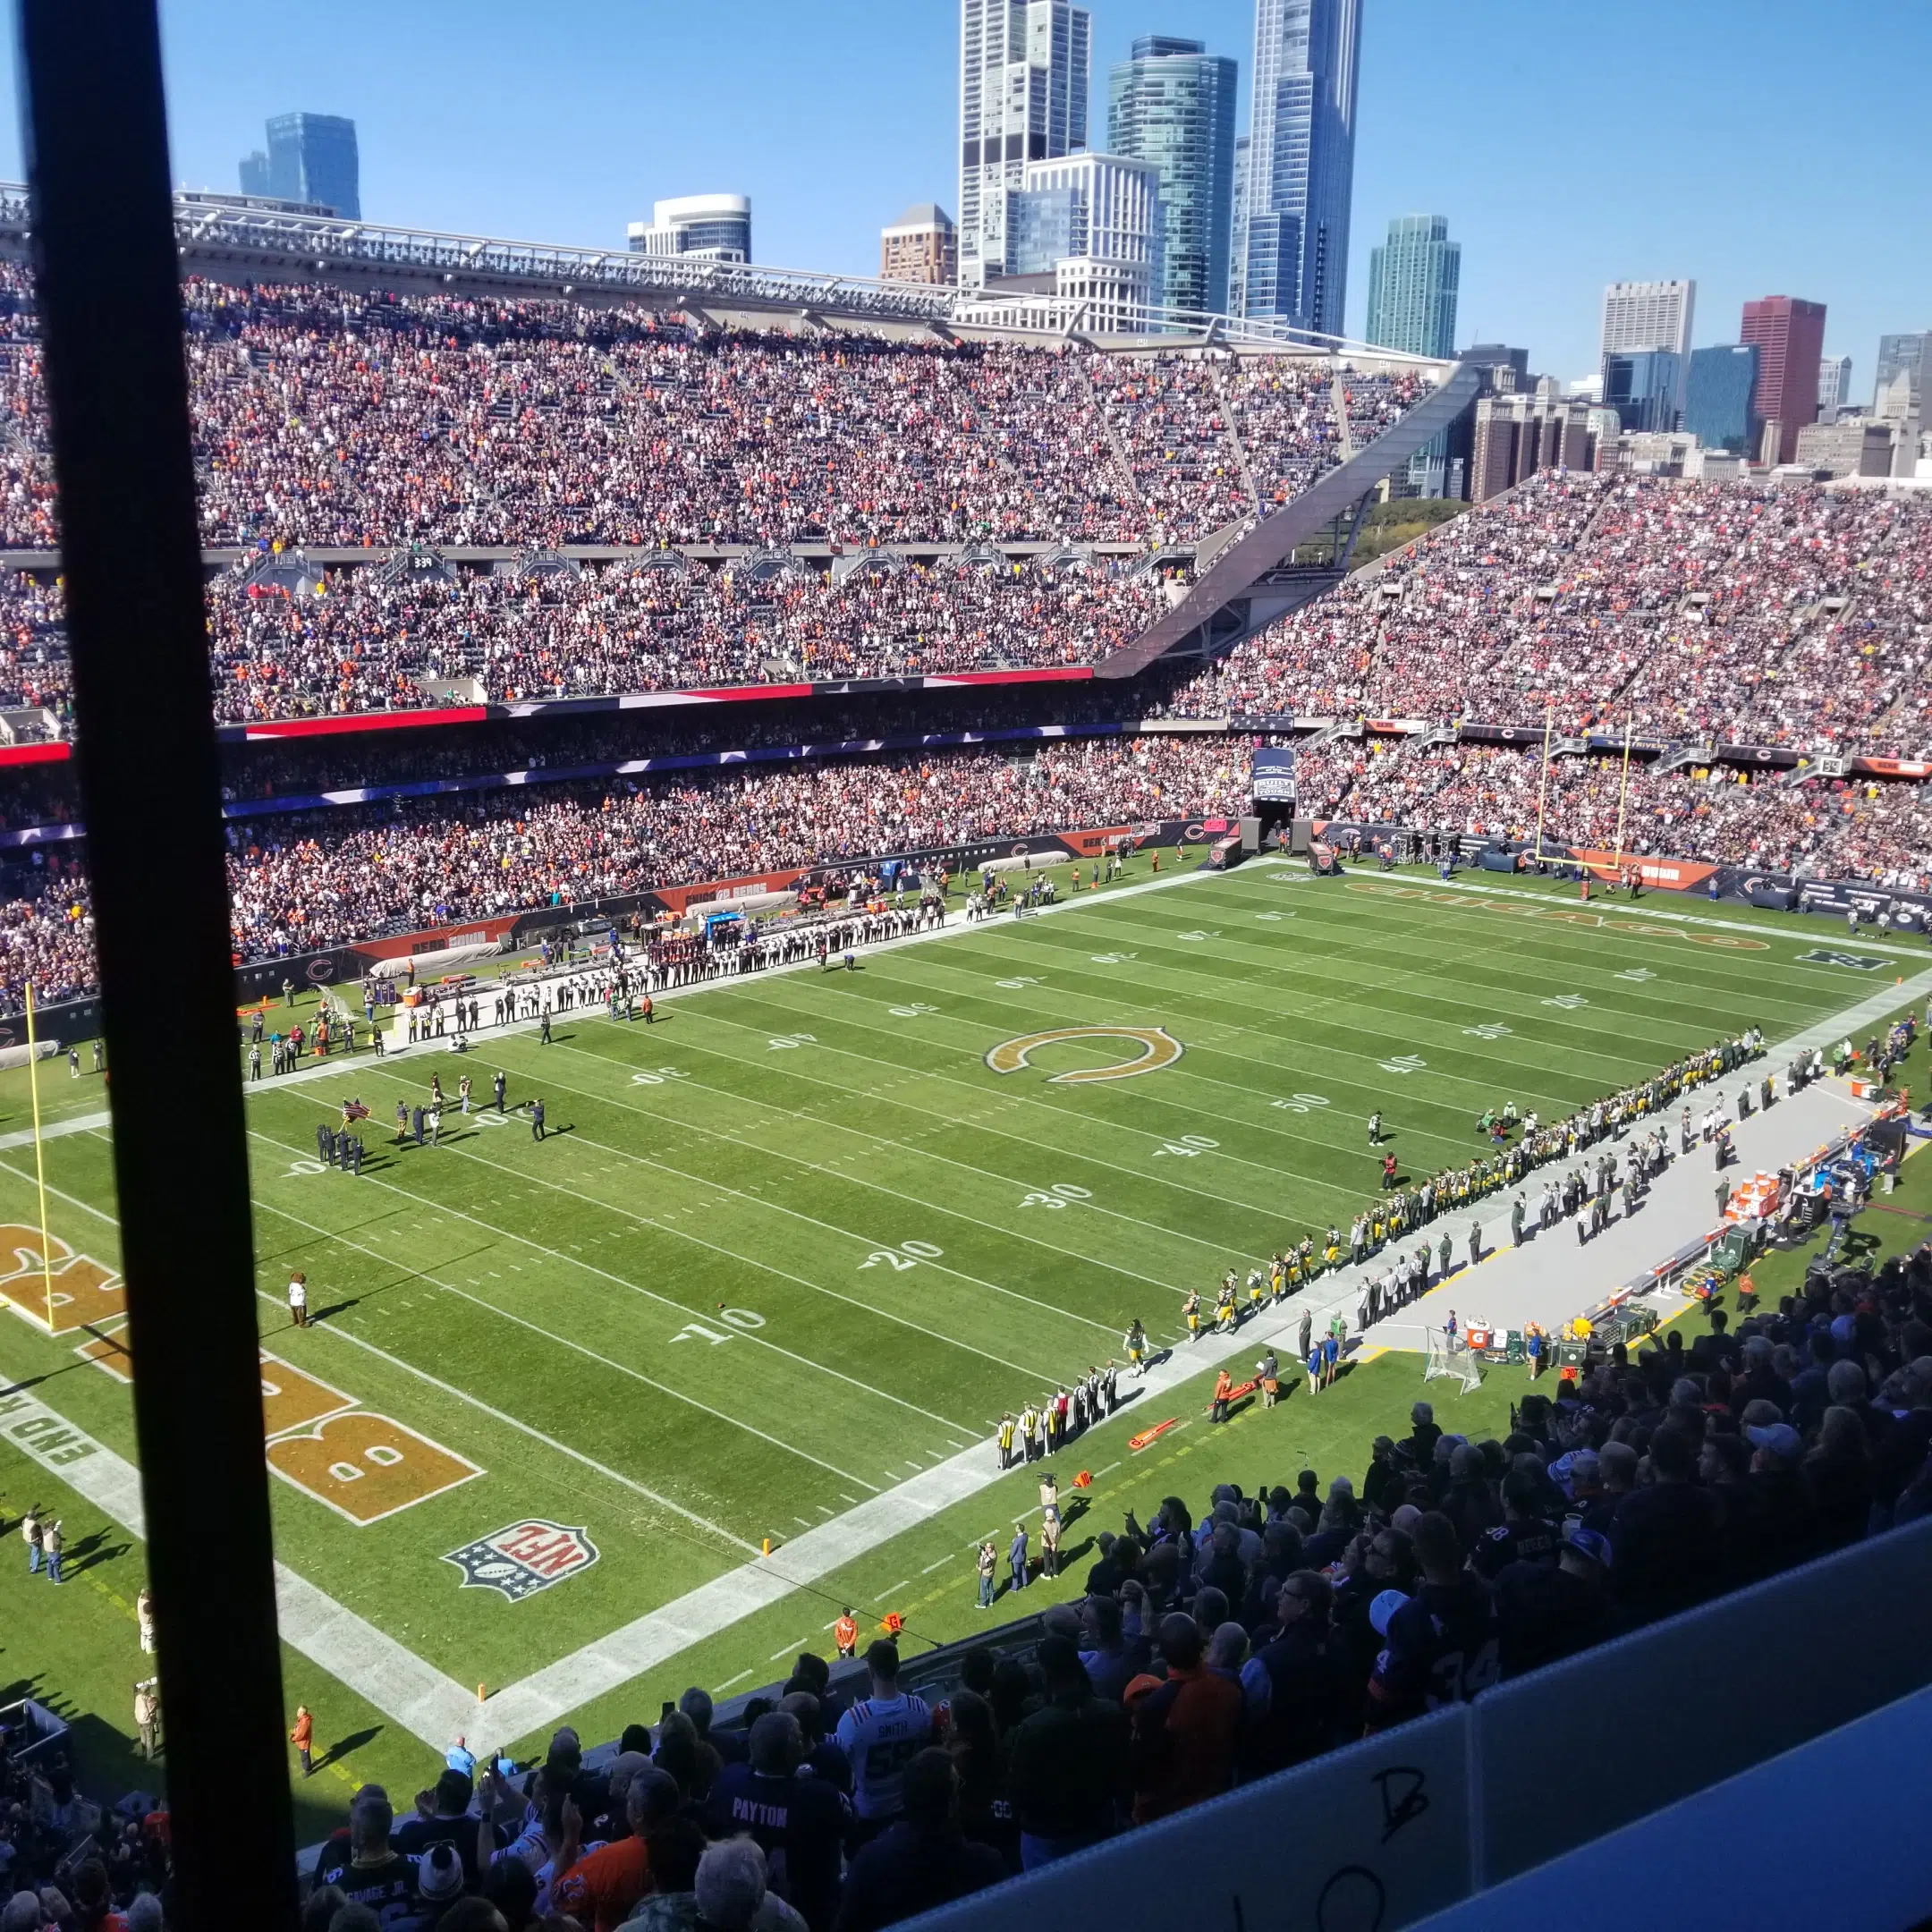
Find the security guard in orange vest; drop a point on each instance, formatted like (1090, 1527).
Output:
(845, 1633)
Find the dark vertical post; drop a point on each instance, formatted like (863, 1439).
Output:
(110, 307)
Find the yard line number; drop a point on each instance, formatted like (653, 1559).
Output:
(785, 1041)
(739, 1317)
(1300, 1103)
(908, 1254)
(1187, 1145)
(1057, 1196)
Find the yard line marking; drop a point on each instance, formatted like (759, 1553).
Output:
(999, 1103)
(799, 1214)
(449, 1388)
(790, 1650)
(1108, 1471)
(636, 1374)
(1044, 1008)
(940, 1565)
(903, 1146)
(804, 1522)
(719, 1690)
(490, 1227)
(822, 1510)
(1210, 986)
(871, 1308)
(890, 1588)
(436, 1382)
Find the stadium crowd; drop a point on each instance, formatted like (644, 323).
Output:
(300, 881)
(322, 878)
(1209, 1647)
(573, 632)
(1785, 616)
(329, 417)
(1876, 829)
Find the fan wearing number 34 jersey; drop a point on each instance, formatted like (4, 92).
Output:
(880, 1736)
(1443, 1642)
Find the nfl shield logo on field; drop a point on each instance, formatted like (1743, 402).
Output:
(524, 1557)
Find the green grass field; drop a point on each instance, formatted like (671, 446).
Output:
(798, 1242)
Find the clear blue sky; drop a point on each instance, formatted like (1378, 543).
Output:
(1760, 145)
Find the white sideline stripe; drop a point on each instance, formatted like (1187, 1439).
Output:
(1757, 931)
(397, 1681)
(79, 1123)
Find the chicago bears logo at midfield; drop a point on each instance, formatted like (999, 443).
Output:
(523, 1557)
(1158, 1048)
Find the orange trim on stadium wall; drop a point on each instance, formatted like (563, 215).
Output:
(1680, 875)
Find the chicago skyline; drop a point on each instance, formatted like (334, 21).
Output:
(578, 162)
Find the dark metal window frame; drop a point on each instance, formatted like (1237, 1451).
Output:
(96, 133)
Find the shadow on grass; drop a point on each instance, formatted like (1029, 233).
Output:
(344, 1746)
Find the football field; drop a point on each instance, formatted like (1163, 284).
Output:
(784, 1257)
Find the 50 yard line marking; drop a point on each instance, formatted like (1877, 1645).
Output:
(901, 1147)
(1220, 1200)
(1035, 1004)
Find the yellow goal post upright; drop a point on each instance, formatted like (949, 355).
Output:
(1549, 719)
(33, 1088)
(1629, 719)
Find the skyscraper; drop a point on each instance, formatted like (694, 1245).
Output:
(1412, 279)
(1091, 221)
(1643, 387)
(1301, 161)
(1638, 316)
(1237, 266)
(1789, 335)
(1172, 104)
(1718, 401)
(311, 157)
(1834, 386)
(922, 246)
(1023, 71)
(1910, 356)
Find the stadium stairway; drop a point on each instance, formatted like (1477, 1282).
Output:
(1255, 580)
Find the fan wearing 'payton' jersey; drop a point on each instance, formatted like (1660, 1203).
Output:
(880, 1736)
